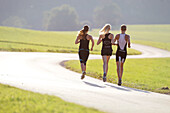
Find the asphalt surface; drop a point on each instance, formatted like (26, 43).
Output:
(42, 72)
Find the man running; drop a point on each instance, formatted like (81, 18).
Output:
(121, 53)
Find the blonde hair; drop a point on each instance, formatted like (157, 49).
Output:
(83, 31)
(105, 29)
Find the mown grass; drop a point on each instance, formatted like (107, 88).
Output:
(14, 100)
(151, 35)
(15, 39)
(147, 74)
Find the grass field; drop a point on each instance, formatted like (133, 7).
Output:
(14, 100)
(146, 74)
(151, 35)
(14, 39)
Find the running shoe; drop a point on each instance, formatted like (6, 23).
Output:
(104, 77)
(120, 82)
(83, 75)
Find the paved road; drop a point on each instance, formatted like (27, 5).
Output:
(42, 72)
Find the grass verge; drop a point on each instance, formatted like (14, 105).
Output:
(146, 74)
(14, 100)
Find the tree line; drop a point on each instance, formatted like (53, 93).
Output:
(66, 18)
(52, 15)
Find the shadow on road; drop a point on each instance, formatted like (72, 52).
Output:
(143, 91)
(94, 85)
(118, 87)
(125, 88)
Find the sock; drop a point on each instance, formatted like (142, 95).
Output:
(104, 74)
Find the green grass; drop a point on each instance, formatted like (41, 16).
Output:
(15, 39)
(147, 74)
(151, 35)
(14, 100)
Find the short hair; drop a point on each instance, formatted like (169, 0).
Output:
(86, 28)
(123, 27)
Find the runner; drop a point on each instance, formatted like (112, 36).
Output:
(121, 53)
(83, 38)
(106, 38)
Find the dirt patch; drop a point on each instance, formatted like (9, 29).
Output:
(62, 63)
(165, 88)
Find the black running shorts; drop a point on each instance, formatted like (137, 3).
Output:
(83, 56)
(122, 55)
(107, 52)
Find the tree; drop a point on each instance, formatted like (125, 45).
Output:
(63, 18)
(15, 21)
(109, 13)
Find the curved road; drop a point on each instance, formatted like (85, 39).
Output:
(42, 72)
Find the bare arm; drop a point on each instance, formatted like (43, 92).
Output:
(114, 40)
(129, 44)
(91, 38)
(99, 40)
(77, 40)
(111, 36)
(128, 41)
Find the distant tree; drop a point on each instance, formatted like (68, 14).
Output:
(15, 21)
(109, 13)
(85, 22)
(63, 18)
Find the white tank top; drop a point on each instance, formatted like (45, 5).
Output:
(122, 41)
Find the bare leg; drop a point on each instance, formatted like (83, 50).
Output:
(85, 68)
(82, 67)
(121, 70)
(117, 63)
(107, 62)
(104, 63)
(105, 66)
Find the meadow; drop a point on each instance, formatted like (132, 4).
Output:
(146, 74)
(151, 35)
(15, 39)
(14, 100)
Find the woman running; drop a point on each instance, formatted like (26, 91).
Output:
(121, 53)
(106, 38)
(83, 38)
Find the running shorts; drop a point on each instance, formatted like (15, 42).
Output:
(107, 52)
(83, 56)
(122, 55)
